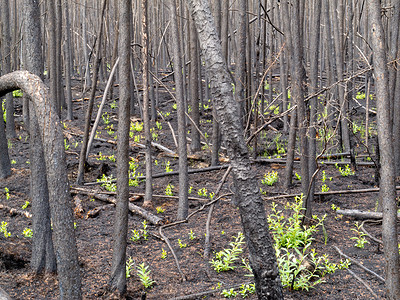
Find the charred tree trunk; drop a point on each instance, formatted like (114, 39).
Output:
(387, 193)
(248, 199)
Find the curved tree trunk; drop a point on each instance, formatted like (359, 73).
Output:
(43, 256)
(56, 166)
(251, 207)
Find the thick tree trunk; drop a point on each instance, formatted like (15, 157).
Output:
(387, 193)
(43, 256)
(251, 207)
(56, 166)
(118, 272)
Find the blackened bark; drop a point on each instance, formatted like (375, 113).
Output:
(183, 205)
(56, 166)
(314, 54)
(251, 208)
(118, 272)
(68, 62)
(194, 88)
(43, 256)
(88, 116)
(5, 15)
(298, 83)
(5, 164)
(146, 118)
(387, 193)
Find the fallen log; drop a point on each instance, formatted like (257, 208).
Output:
(153, 219)
(362, 215)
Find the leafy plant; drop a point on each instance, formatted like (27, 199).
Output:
(270, 178)
(129, 266)
(144, 231)
(25, 206)
(247, 289)
(225, 258)
(298, 177)
(360, 238)
(229, 293)
(289, 232)
(181, 244)
(168, 167)
(160, 210)
(202, 192)
(324, 188)
(106, 118)
(191, 235)
(27, 233)
(168, 190)
(17, 94)
(163, 254)
(346, 171)
(3, 105)
(135, 235)
(66, 145)
(7, 191)
(304, 269)
(144, 275)
(3, 229)
(107, 183)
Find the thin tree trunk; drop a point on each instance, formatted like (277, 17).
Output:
(68, 62)
(88, 116)
(146, 117)
(118, 269)
(183, 205)
(387, 193)
(5, 14)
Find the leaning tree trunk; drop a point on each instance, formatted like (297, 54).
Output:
(118, 273)
(248, 199)
(387, 193)
(43, 256)
(56, 166)
(88, 116)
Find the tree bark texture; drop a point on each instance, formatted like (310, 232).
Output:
(146, 103)
(60, 198)
(118, 272)
(5, 15)
(183, 204)
(43, 256)
(253, 217)
(387, 193)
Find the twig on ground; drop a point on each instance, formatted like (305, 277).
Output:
(368, 234)
(355, 213)
(364, 283)
(209, 292)
(356, 262)
(208, 234)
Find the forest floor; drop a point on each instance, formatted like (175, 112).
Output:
(94, 234)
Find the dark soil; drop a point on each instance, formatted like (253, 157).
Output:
(94, 235)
